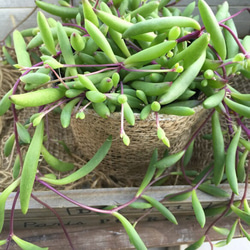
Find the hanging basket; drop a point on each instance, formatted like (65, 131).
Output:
(131, 161)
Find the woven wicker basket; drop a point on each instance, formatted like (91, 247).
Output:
(132, 161)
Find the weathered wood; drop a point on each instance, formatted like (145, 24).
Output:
(154, 232)
(38, 216)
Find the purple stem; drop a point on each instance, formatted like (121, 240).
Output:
(122, 113)
(46, 110)
(92, 65)
(229, 119)
(58, 77)
(234, 15)
(85, 206)
(25, 73)
(16, 134)
(203, 178)
(58, 217)
(247, 131)
(100, 71)
(199, 129)
(226, 210)
(12, 220)
(190, 141)
(133, 46)
(75, 25)
(235, 38)
(72, 201)
(193, 35)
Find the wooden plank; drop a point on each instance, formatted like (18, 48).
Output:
(116, 196)
(38, 216)
(154, 233)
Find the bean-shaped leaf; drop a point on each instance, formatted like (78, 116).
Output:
(179, 197)
(100, 40)
(214, 100)
(180, 85)
(77, 41)
(7, 56)
(231, 162)
(101, 109)
(5, 102)
(89, 13)
(198, 210)
(150, 53)
(129, 114)
(218, 148)
(220, 243)
(246, 206)
(95, 96)
(246, 234)
(232, 231)
(245, 143)
(23, 133)
(243, 97)
(30, 167)
(3, 197)
(87, 168)
(149, 174)
(16, 167)
(35, 78)
(213, 211)
(23, 57)
(55, 163)
(133, 235)
(221, 230)
(140, 205)
(160, 23)
(66, 48)
(46, 33)
(197, 244)
(212, 26)
(66, 113)
(188, 154)
(161, 208)
(37, 98)
(87, 83)
(237, 107)
(241, 172)
(25, 245)
(3, 242)
(169, 160)
(243, 215)
(8, 146)
(213, 190)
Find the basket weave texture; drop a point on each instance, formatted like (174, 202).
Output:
(132, 161)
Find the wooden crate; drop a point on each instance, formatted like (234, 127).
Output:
(90, 230)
